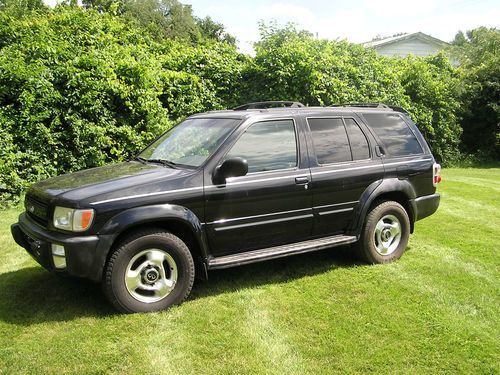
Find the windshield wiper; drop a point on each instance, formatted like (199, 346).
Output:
(168, 163)
(142, 160)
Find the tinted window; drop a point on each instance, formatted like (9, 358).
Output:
(394, 133)
(359, 144)
(330, 140)
(267, 146)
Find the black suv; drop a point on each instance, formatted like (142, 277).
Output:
(227, 188)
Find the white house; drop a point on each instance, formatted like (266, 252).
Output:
(417, 44)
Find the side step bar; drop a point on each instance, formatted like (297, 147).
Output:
(278, 251)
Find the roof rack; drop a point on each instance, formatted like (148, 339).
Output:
(372, 105)
(364, 105)
(269, 104)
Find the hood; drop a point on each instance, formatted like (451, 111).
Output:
(97, 181)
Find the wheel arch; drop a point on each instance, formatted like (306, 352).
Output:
(393, 189)
(177, 220)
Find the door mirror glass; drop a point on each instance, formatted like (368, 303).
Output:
(232, 167)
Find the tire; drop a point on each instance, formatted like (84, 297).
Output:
(150, 270)
(381, 241)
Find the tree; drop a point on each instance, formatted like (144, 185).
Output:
(19, 8)
(479, 54)
(432, 88)
(161, 18)
(459, 39)
(293, 65)
(80, 88)
(214, 30)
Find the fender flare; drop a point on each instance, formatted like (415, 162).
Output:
(143, 215)
(375, 190)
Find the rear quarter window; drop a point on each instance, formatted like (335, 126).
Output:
(395, 134)
(359, 144)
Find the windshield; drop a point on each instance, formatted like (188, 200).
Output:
(191, 142)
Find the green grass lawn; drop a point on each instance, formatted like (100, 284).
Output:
(435, 310)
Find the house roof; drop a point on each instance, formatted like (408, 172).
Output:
(394, 39)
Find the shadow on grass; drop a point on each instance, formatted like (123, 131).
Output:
(275, 271)
(33, 295)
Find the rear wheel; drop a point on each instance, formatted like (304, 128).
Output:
(385, 233)
(149, 271)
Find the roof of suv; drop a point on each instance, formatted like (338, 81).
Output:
(247, 110)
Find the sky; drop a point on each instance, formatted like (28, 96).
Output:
(355, 20)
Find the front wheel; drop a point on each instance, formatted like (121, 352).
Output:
(150, 270)
(385, 233)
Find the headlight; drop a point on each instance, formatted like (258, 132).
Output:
(72, 219)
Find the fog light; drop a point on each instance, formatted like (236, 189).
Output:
(58, 256)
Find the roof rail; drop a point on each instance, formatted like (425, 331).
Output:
(364, 105)
(372, 105)
(269, 104)
(399, 109)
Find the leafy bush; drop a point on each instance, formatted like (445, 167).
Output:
(293, 65)
(479, 53)
(431, 90)
(80, 89)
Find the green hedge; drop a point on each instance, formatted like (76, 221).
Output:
(296, 66)
(79, 88)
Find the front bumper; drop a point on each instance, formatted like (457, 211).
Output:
(426, 205)
(85, 255)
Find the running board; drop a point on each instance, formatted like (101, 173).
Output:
(279, 251)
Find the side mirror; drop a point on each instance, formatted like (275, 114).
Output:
(233, 167)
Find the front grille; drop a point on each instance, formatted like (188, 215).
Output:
(37, 210)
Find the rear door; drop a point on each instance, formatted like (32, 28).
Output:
(272, 204)
(406, 155)
(343, 165)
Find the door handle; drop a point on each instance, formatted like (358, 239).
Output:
(379, 150)
(302, 180)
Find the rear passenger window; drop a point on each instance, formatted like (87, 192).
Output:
(359, 144)
(394, 133)
(330, 140)
(267, 146)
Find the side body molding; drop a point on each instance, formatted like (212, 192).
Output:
(375, 190)
(150, 214)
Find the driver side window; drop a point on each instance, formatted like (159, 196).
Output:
(267, 146)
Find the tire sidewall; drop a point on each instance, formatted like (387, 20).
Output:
(183, 261)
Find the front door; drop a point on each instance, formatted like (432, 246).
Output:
(269, 206)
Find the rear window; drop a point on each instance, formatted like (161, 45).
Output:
(330, 140)
(394, 133)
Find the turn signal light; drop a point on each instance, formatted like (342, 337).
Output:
(87, 218)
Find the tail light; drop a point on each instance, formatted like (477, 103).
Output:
(436, 174)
